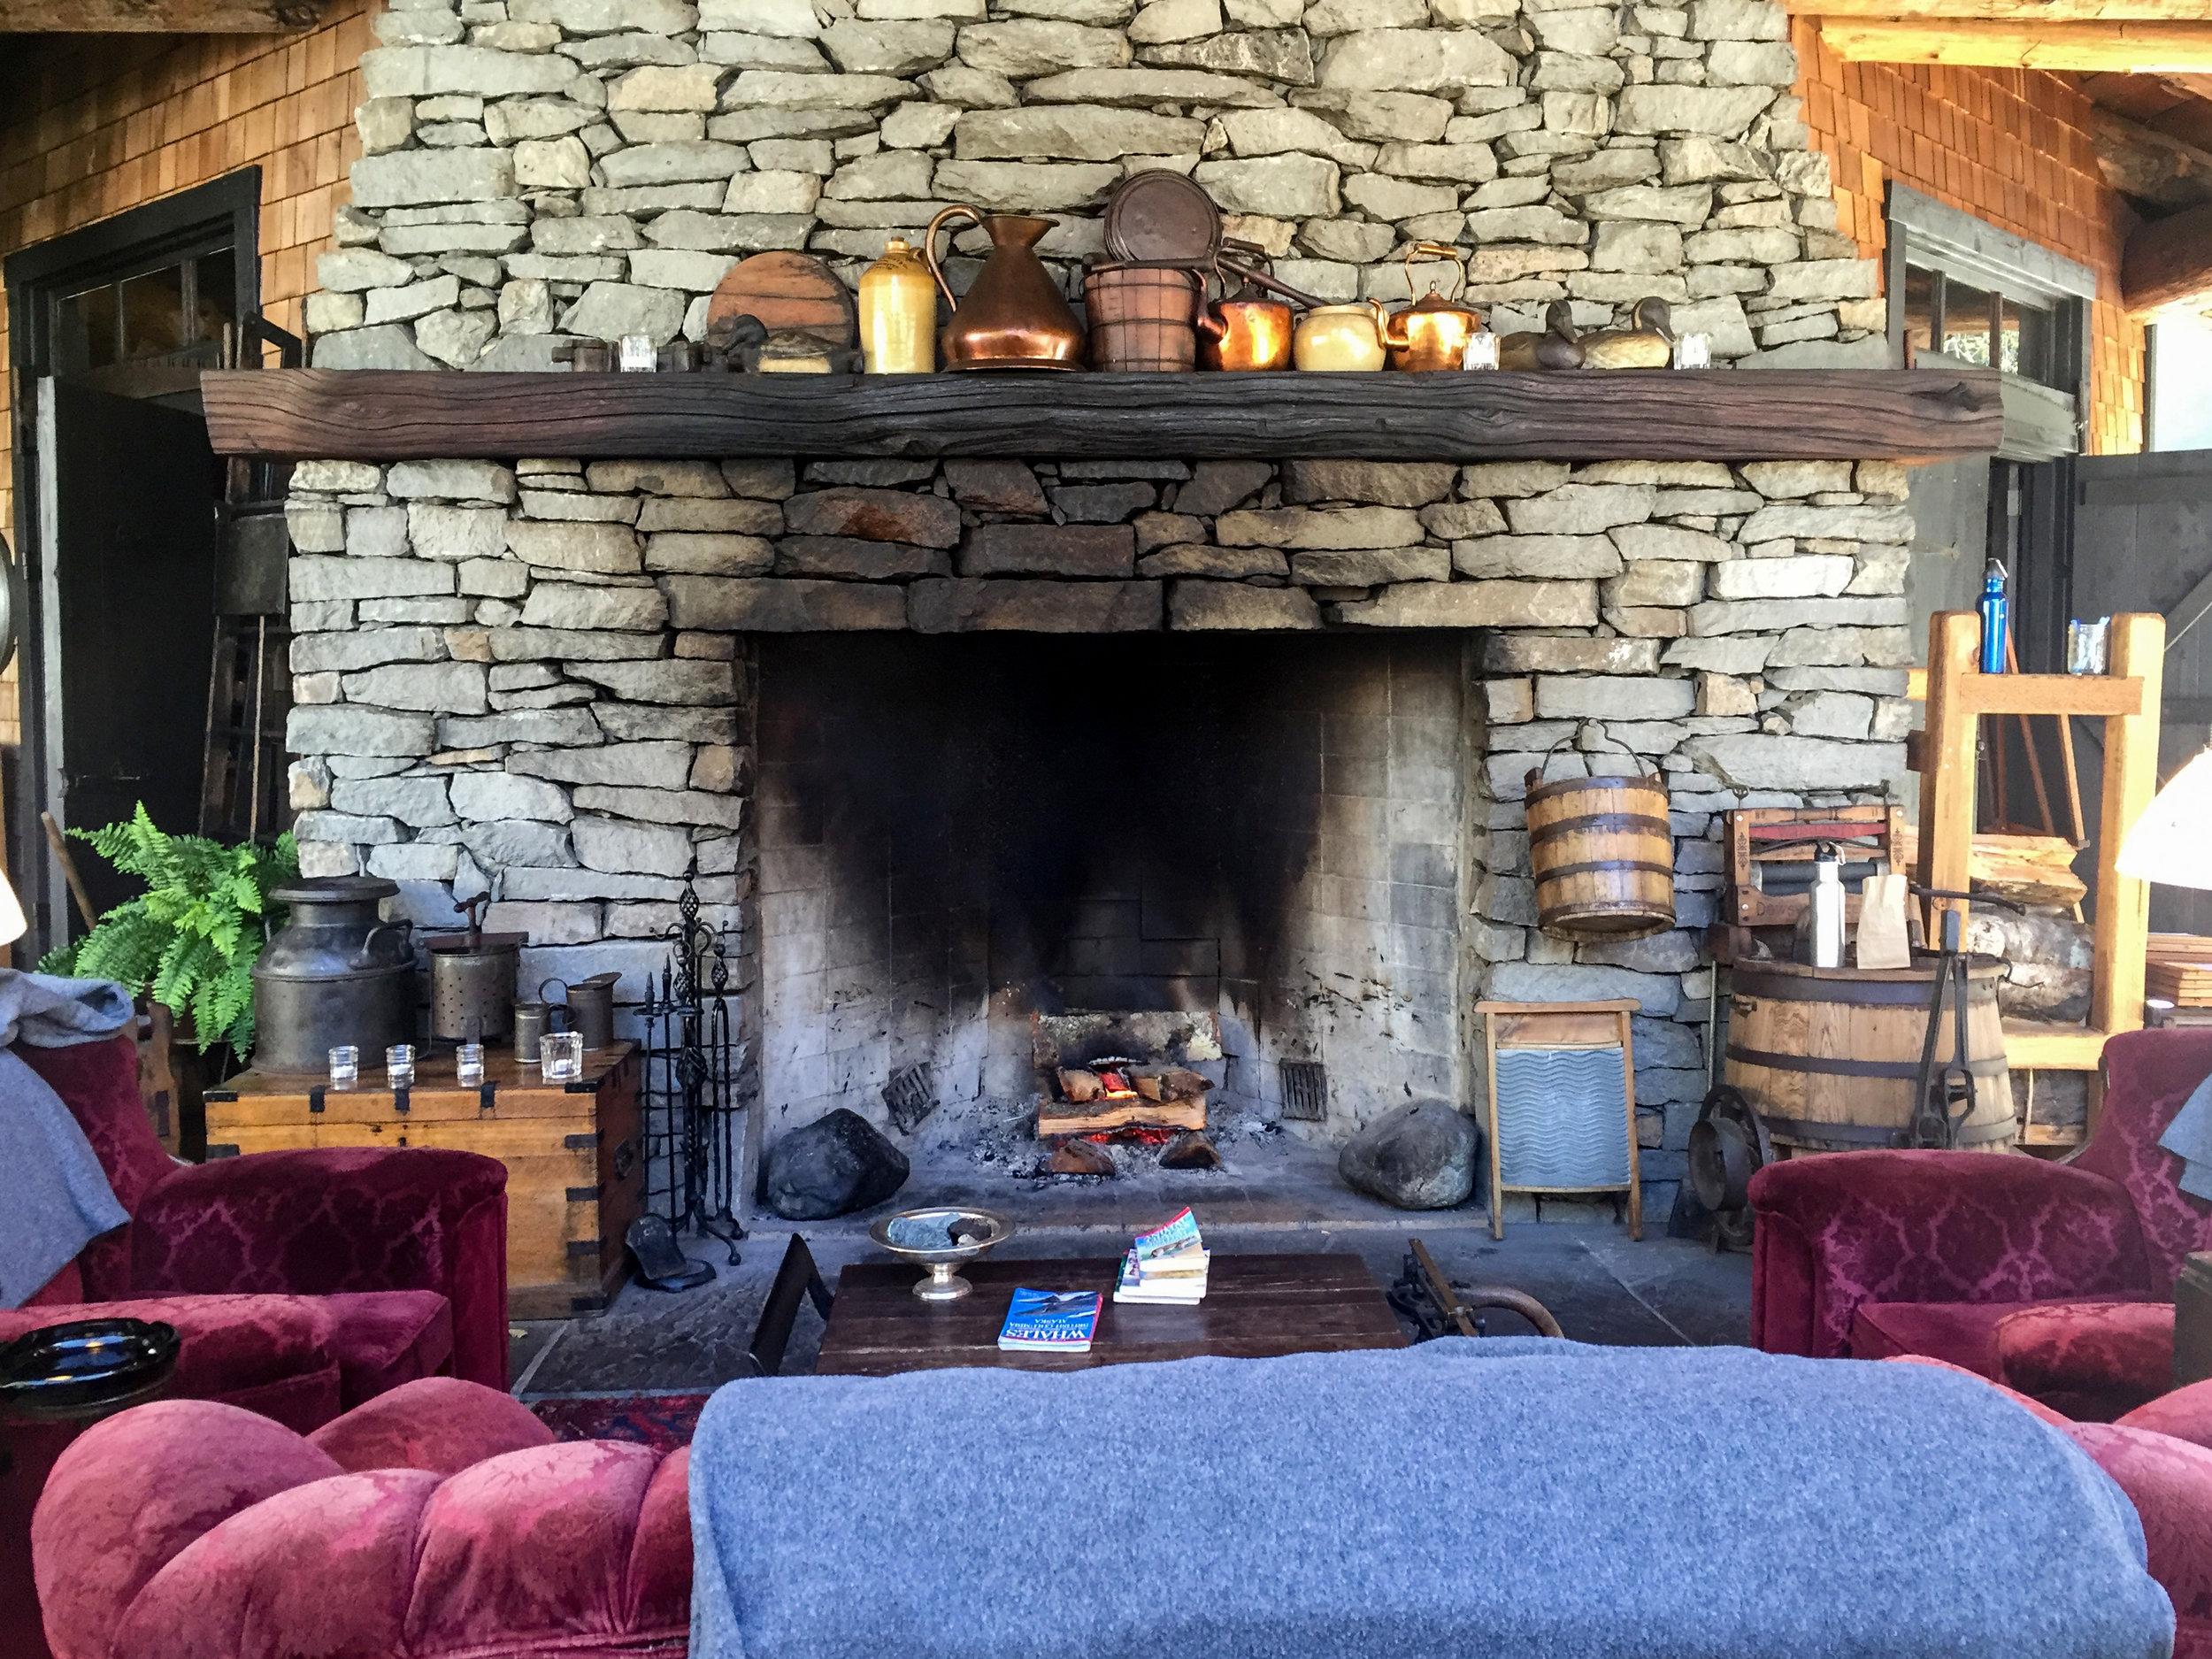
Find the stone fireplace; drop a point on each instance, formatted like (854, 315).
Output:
(947, 742)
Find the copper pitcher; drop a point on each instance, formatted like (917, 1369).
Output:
(1014, 315)
(1434, 332)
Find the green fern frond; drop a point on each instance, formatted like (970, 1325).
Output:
(191, 939)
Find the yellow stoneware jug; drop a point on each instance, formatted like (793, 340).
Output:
(898, 313)
(1339, 337)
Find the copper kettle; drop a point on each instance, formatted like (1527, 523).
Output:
(1433, 333)
(1014, 315)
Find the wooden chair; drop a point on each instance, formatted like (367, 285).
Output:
(797, 1278)
(1562, 1140)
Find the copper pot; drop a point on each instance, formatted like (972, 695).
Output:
(1245, 335)
(1431, 333)
(1014, 315)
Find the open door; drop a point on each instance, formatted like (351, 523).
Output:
(127, 490)
(2142, 541)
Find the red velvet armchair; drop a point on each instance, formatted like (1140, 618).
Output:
(2055, 1280)
(455, 1526)
(303, 1283)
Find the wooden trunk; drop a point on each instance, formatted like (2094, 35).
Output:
(1602, 854)
(575, 1155)
(1829, 1056)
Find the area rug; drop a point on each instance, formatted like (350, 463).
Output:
(664, 1421)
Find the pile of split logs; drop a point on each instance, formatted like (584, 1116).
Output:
(1129, 1097)
(1122, 1077)
(1125, 1103)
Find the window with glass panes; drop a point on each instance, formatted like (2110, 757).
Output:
(1962, 319)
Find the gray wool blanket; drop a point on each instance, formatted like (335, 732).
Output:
(1460, 1500)
(59, 1199)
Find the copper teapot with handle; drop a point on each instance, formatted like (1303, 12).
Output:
(1013, 315)
(1434, 332)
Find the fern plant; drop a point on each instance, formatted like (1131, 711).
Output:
(191, 940)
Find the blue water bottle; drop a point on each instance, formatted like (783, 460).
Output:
(1996, 618)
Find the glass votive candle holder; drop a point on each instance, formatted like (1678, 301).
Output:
(561, 1056)
(399, 1064)
(468, 1064)
(345, 1066)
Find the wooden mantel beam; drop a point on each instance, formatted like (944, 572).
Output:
(1592, 415)
(2012, 10)
(158, 17)
(2121, 48)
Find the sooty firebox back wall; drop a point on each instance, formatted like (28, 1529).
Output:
(957, 832)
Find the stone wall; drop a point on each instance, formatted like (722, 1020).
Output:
(540, 678)
(544, 168)
(537, 678)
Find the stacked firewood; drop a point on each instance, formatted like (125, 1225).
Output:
(1133, 1097)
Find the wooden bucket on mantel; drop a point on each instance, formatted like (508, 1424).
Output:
(1602, 854)
(1828, 1057)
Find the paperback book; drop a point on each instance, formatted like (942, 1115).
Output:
(1166, 1265)
(1053, 1321)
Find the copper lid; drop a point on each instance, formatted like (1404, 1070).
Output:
(1159, 215)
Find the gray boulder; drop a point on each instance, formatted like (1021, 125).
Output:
(1420, 1157)
(837, 1163)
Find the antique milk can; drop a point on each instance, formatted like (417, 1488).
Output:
(335, 974)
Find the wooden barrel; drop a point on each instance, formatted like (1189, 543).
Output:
(1828, 1057)
(1602, 854)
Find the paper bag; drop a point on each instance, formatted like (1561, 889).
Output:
(1881, 942)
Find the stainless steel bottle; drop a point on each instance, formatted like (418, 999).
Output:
(1827, 906)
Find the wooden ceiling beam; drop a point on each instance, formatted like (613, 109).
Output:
(2012, 10)
(2149, 165)
(158, 17)
(2128, 48)
(2169, 262)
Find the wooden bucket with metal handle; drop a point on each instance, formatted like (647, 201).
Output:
(1602, 854)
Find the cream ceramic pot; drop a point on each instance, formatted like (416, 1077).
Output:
(1339, 337)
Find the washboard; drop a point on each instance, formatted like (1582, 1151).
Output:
(1562, 1102)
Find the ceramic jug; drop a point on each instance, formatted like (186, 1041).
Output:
(898, 313)
(1014, 315)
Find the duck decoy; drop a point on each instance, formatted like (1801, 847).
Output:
(1648, 345)
(1554, 348)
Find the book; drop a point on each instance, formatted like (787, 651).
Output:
(1181, 1290)
(1177, 1239)
(1051, 1321)
(1166, 1265)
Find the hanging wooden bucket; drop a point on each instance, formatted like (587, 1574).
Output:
(1602, 854)
(1830, 1057)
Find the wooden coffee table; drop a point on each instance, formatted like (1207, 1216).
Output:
(1256, 1307)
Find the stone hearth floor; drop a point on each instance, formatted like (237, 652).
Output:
(1600, 1287)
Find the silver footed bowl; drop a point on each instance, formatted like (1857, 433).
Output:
(966, 1234)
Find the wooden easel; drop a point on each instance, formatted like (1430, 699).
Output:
(2126, 700)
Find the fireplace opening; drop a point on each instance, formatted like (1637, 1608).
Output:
(959, 834)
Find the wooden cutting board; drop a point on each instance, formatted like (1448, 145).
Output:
(787, 290)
